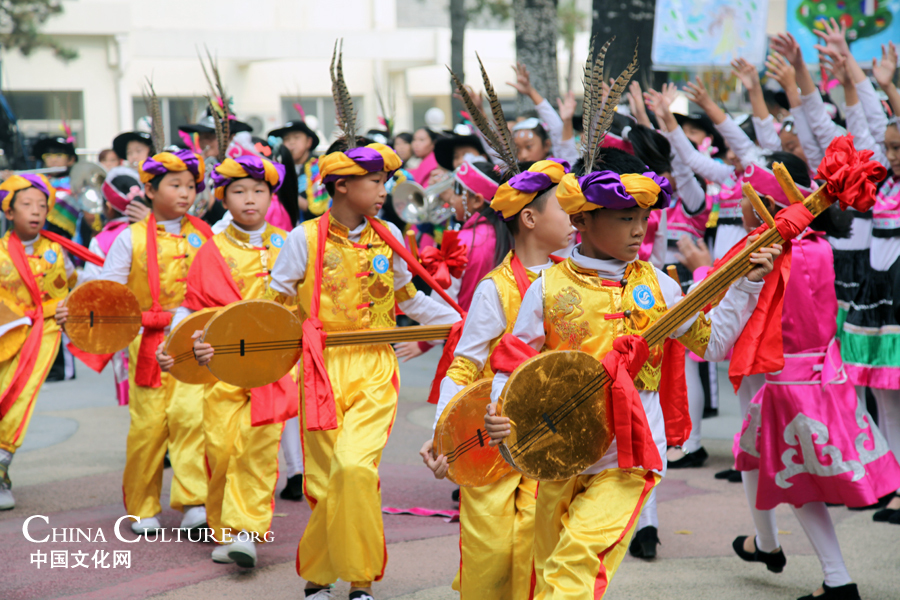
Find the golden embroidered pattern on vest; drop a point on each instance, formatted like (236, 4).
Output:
(565, 303)
(50, 275)
(334, 282)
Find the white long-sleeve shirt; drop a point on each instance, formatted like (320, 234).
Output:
(728, 321)
(117, 266)
(91, 271)
(858, 125)
(743, 147)
(704, 166)
(823, 128)
(564, 149)
(802, 129)
(875, 116)
(290, 269)
(485, 322)
(766, 135)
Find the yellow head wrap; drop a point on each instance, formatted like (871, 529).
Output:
(174, 162)
(518, 192)
(606, 189)
(251, 166)
(15, 183)
(359, 161)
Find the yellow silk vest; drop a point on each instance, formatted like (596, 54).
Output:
(576, 304)
(357, 279)
(48, 264)
(250, 265)
(174, 253)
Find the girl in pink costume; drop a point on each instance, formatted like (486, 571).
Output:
(806, 439)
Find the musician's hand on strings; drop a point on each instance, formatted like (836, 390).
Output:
(165, 361)
(764, 259)
(202, 352)
(62, 314)
(693, 255)
(407, 350)
(497, 427)
(438, 465)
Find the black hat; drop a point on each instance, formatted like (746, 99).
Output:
(120, 143)
(52, 145)
(208, 125)
(445, 147)
(300, 126)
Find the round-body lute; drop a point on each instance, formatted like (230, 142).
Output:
(104, 317)
(557, 406)
(180, 346)
(461, 437)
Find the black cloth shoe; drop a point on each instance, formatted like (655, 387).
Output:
(726, 474)
(293, 490)
(894, 519)
(882, 502)
(690, 460)
(841, 592)
(644, 543)
(455, 495)
(774, 561)
(735, 477)
(361, 595)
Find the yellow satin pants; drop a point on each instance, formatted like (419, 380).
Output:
(344, 538)
(15, 422)
(170, 416)
(583, 526)
(496, 539)
(242, 463)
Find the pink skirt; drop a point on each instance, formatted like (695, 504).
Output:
(811, 438)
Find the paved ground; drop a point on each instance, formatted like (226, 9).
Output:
(70, 471)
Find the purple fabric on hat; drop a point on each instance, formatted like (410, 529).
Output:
(255, 169)
(186, 156)
(604, 188)
(530, 182)
(37, 181)
(665, 189)
(367, 158)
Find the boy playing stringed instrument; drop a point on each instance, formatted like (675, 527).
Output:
(348, 269)
(35, 275)
(152, 257)
(241, 452)
(496, 520)
(583, 524)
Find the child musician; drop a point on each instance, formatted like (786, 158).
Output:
(241, 455)
(152, 257)
(497, 520)
(345, 270)
(583, 525)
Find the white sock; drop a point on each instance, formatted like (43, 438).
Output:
(695, 403)
(817, 524)
(764, 520)
(749, 386)
(290, 446)
(648, 515)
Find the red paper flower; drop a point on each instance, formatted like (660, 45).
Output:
(850, 175)
(450, 260)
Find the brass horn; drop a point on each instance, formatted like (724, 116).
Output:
(87, 187)
(415, 204)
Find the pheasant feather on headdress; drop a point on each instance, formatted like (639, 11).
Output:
(219, 104)
(157, 130)
(343, 103)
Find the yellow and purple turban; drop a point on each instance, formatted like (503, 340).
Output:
(24, 181)
(174, 162)
(606, 189)
(359, 161)
(250, 166)
(521, 190)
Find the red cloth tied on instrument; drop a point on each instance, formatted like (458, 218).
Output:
(510, 353)
(147, 372)
(850, 175)
(210, 285)
(673, 396)
(634, 439)
(29, 352)
(449, 261)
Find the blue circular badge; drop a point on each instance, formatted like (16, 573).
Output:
(195, 240)
(50, 256)
(277, 240)
(643, 297)
(381, 264)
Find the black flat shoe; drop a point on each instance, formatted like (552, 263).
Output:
(455, 495)
(841, 592)
(293, 490)
(726, 474)
(774, 561)
(690, 460)
(644, 543)
(894, 519)
(884, 515)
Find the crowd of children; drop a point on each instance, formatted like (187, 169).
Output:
(559, 246)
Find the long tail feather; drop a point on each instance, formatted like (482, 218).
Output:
(346, 115)
(612, 102)
(219, 104)
(508, 155)
(157, 131)
(592, 108)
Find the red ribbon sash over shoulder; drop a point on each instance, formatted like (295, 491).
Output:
(210, 285)
(317, 392)
(73, 248)
(155, 320)
(29, 352)
(449, 261)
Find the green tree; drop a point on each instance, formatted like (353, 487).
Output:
(20, 22)
(862, 18)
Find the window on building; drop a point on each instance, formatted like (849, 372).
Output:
(323, 109)
(175, 112)
(48, 113)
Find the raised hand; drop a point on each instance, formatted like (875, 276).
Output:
(835, 63)
(782, 71)
(834, 36)
(522, 83)
(566, 106)
(785, 45)
(636, 104)
(746, 73)
(884, 70)
(475, 96)
(697, 93)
